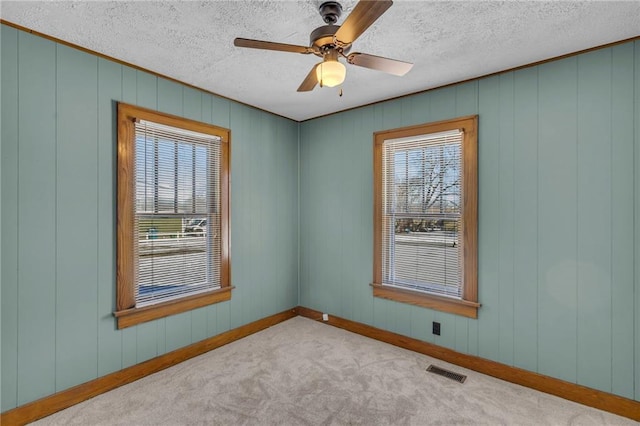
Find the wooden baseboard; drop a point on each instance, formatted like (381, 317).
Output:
(594, 398)
(581, 394)
(48, 405)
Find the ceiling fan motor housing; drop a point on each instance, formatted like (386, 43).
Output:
(323, 36)
(323, 39)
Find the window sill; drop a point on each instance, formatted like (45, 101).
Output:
(133, 316)
(444, 304)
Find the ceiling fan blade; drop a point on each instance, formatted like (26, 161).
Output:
(363, 15)
(310, 80)
(268, 45)
(391, 66)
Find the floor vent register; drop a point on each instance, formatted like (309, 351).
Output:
(446, 373)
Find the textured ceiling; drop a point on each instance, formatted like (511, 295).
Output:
(448, 41)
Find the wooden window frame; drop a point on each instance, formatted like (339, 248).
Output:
(126, 313)
(468, 305)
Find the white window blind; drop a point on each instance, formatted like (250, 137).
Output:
(422, 213)
(177, 238)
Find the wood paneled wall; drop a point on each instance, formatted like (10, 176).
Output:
(58, 216)
(559, 218)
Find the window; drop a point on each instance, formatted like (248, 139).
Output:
(425, 218)
(173, 215)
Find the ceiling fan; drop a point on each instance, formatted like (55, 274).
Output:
(331, 42)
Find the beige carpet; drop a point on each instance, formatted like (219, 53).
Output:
(301, 372)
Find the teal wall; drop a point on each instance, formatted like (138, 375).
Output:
(559, 217)
(559, 236)
(58, 216)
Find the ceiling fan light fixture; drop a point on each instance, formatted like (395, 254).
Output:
(331, 73)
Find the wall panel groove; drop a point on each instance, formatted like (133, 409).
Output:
(636, 223)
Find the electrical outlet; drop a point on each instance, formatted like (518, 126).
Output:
(436, 328)
(325, 317)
